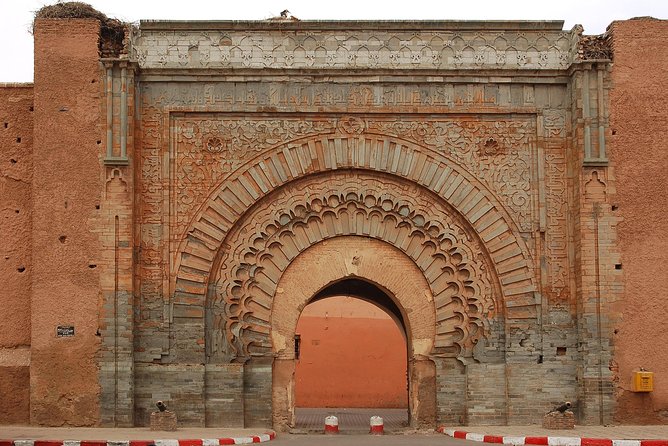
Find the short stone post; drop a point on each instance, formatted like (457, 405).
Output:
(561, 417)
(331, 425)
(559, 420)
(376, 426)
(163, 420)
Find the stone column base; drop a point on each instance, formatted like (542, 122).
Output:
(557, 420)
(163, 421)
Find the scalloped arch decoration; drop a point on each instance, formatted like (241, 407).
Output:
(311, 210)
(417, 166)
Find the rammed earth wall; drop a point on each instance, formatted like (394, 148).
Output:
(16, 145)
(639, 125)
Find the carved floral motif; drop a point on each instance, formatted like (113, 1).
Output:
(308, 211)
(497, 152)
(150, 261)
(208, 149)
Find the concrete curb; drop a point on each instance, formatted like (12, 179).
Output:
(162, 442)
(548, 441)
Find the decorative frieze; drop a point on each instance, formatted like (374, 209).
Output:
(497, 152)
(311, 45)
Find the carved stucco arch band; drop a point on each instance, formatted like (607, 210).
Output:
(280, 165)
(374, 205)
(378, 262)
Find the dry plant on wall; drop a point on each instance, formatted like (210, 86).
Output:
(112, 31)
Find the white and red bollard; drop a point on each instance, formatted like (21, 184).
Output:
(331, 425)
(376, 426)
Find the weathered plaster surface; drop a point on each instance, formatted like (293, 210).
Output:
(639, 124)
(67, 187)
(16, 135)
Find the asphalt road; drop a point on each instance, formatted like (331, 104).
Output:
(369, 440)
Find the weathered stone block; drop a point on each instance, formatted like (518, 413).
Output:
(558, 420)
(163, 421)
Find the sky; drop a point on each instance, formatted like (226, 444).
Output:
(16, 63)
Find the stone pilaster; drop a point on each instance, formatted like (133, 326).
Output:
(117, 233)
(594, 233)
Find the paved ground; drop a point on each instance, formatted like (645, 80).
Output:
(137, 433)
(350, 419)
(430, 439)
(356, 421)
(659, 432)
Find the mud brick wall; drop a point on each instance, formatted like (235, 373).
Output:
(67, 189)
(16, 135)
(639, 124)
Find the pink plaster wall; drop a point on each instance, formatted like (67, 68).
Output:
(68, 180)
(639, 155)
(353, 355)
(16, 131)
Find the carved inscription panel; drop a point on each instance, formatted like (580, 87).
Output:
(432, 97)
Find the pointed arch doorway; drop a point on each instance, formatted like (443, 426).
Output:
(351, 358)
(376, 271)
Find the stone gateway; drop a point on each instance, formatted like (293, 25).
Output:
(190, 190)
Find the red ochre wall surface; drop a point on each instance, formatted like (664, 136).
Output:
(67, 187)
(352, 355)
(16, 128)
(639, 155)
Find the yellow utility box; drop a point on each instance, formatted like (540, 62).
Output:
(643, 381)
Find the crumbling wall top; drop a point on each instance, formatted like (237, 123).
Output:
(113, 32)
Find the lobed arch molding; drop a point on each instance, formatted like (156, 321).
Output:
(452, 227)
(327, 206)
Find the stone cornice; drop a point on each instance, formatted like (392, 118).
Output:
(354, 45)
(353, 25)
